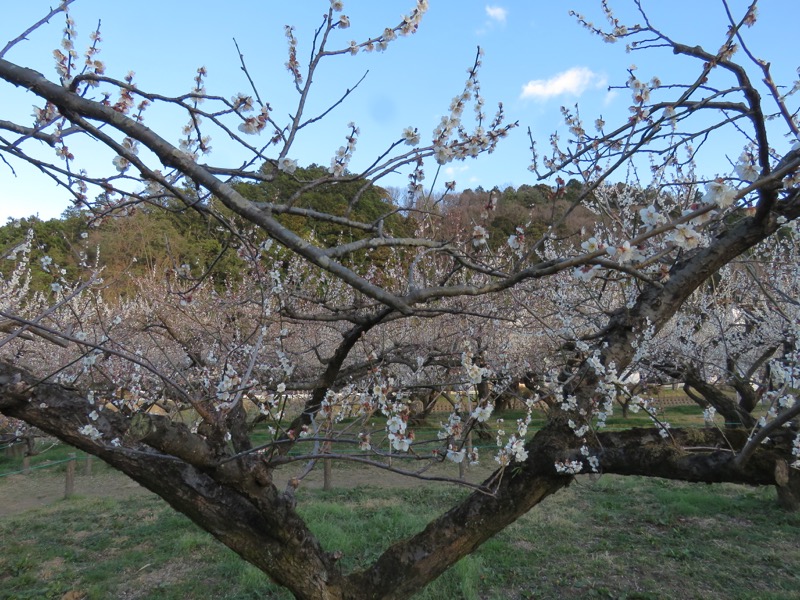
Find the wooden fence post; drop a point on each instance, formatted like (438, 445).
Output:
(26, 465)
(327, 484)
(88, 469)
(462, 466)
(14, 449)
(69, 487)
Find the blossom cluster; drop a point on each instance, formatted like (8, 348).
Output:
(475, 373)
(130, 147)
(293, 65)
(656, 230)
(252, 125)
(513, 451)
(451, 140)
(65, 62)
(343, 155)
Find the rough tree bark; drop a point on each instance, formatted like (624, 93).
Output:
(234, 496)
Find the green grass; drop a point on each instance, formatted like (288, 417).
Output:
(609, 538)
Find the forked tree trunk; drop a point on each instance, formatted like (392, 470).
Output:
(237, 502)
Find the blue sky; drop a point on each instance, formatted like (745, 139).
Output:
(536, 59)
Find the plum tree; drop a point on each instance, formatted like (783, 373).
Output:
(322, 315)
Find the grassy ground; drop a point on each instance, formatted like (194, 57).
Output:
(611, 537)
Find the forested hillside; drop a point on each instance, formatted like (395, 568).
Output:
(167, 237)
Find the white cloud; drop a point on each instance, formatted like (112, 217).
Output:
(455, 170)
(496, 13)
(572, 82)
(610, 96)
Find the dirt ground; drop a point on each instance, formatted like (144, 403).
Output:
(20, 493)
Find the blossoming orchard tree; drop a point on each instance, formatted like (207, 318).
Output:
(397, 303)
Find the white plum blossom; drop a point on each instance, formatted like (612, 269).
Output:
(579, 431)
(572, 467)
(443, 154)
(513, 451)
(337, 168)
(651, 218)
(685, 237)
(593, 461)
(586, 272)
(502, 458)
(44, 115)
(671, 116)
(592, 245)
(482, 413)
(121, 163)
(401, 442)
(254, 125)
(287, 165)
(452, 428)
(571, 403)
(516, 241)
(396, 425)
(455, 456)
(90, 431)
(480, 236)
(242, 103)
(624, 253)
(411, 136)
(475, 373)
(343, 155)
(516, 449)
(719, 193)
(746, 168)
(249, 126)
(389, 35)
(796, 451)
